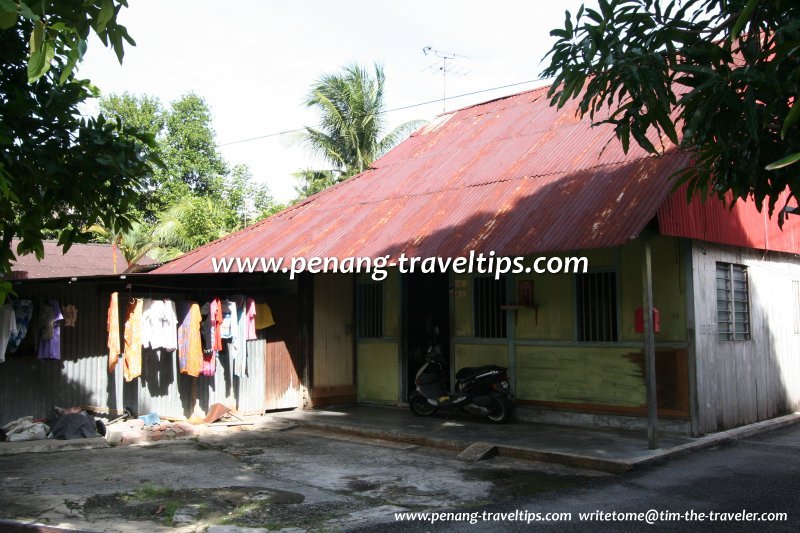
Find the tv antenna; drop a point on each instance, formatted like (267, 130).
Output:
(445, 67)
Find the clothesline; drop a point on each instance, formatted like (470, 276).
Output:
(193, 332)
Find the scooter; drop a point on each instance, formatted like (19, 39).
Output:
(482, 391)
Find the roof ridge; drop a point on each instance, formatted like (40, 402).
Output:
(493, 100)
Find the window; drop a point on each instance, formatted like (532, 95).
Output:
(370, 310)
(488, 294)
(596, 306)
(733, 303)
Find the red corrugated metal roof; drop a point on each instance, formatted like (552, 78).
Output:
(80, 260)
(741, 225)
(514, 176)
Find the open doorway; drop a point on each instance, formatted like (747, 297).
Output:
(427, 310)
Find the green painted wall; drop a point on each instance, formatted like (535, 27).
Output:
(606, 376)
(481, 354)
(554, 294)
(462, 305)
(377, 371)
(602, 375)
(668, 288)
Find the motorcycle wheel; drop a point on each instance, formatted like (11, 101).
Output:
(420, 406)
(501, 410)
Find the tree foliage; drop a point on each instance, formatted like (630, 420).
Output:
(352, 123)
(719, 78)
(184, 144)
(311, 182)
(59, 172)
(194, 196)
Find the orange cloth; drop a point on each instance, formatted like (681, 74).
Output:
(112, 326)
(190, 344)
(133, 340)
(217, 328)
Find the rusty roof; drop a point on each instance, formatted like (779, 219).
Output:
(81, 260)
(739, 224)
(513, 175)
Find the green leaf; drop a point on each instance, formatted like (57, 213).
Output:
(72, 60)
(791, 118)
(105, 15)
(785, 162)
(744, 16)
(26, 12)
(39, 62)
(37, 36)
(7, 19)
(8, 6)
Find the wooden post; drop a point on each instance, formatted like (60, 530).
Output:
(649, 345)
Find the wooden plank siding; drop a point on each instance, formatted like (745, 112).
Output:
(741, 382)
(332, 373)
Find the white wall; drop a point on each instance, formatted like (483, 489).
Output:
(740, 382)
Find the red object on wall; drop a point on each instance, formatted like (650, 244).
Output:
(525, 292)
(639, 320)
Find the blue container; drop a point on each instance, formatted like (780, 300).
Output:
(150, 419)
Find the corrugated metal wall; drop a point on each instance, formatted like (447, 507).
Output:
(32, 387)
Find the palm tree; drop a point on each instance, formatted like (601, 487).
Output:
(352, 120)
(133, 243)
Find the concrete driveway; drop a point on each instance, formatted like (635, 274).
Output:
(276, 478)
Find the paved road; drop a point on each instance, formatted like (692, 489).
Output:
(296, 478)
(758, 474)
(319, 481)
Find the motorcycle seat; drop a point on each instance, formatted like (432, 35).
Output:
(471, 372)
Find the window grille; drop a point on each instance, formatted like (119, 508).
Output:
(596, 306)
(369, 302)
(488, 294)
(733, 303)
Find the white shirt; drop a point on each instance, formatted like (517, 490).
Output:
(159, 325)
(8, 327)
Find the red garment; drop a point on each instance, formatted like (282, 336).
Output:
(112, 326)
(216, 312)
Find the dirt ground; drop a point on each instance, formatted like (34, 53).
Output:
(298, 479)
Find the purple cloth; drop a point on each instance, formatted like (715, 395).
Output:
(184, 333)
(51, 348)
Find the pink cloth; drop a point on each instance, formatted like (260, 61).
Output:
(250, 316)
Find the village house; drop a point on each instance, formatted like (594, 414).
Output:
(516, 178)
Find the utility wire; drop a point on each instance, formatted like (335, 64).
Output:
(438, 100)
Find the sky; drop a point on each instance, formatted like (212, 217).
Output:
(253, 61)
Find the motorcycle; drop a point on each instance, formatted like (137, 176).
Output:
(482, 391)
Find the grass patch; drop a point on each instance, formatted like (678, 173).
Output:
(169, 509)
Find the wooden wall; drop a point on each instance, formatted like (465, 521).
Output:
(740, 382)
(332, 372)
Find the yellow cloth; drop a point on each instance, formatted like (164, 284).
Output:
(195, 359)
(112, 326)
(264, 316)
